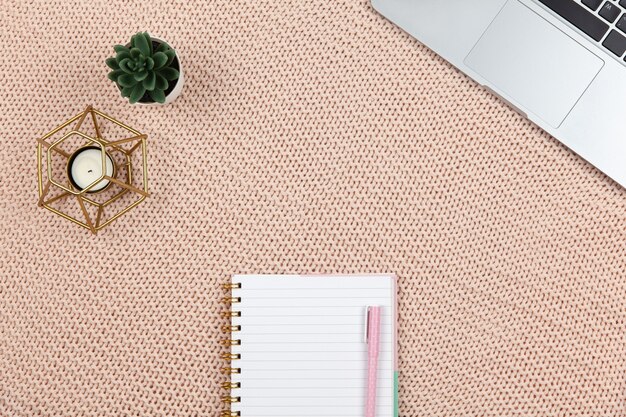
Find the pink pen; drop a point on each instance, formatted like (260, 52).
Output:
(373, 347)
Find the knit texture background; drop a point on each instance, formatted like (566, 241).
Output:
(312, 136)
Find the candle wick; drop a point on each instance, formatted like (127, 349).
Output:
(91, 170)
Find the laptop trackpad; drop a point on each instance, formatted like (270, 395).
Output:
(533, 63)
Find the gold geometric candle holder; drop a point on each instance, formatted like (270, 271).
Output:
(92, 169)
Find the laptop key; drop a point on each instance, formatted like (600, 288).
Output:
(578, 16)
(609, 12)
(622, 3)
(621, 23)
(592, 4)
(615, 43)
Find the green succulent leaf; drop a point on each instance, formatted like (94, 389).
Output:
(148, 41)
(114, 75)
(135, 53)
(159, 60)
(149, 63)
(125, 65)
(157, 95)
(112, 63)
(141, 75)
(126, 91)
(160, 82)
(150, 81)
(122, 55)
(169, 73)
(120, 48)
(170, 57)
(137, 93)
(126, 80)
(163, 47)
(141, 44)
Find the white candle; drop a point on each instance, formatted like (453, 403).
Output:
(86, 167)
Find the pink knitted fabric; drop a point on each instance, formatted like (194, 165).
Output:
(311, 136)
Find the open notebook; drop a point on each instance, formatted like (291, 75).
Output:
(298, 345)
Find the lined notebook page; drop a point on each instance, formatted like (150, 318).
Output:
(303, 350)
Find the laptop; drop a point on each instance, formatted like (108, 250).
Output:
(560, 63)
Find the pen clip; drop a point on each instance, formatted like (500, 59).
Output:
(369, 311)
(366, 333)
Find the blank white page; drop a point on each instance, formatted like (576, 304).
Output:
(303, 350)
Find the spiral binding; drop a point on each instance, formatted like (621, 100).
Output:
(228, 356)
(230, 342)
(230, 329)
(230, 400)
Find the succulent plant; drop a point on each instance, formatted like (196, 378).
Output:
(139, 68)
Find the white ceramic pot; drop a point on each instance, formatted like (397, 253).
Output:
(178, 88)
(173, 95)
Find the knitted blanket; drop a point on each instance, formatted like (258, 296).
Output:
(312, 136)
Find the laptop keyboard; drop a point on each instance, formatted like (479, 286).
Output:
(604, 21)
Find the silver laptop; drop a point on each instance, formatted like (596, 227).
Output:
(561, 63)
